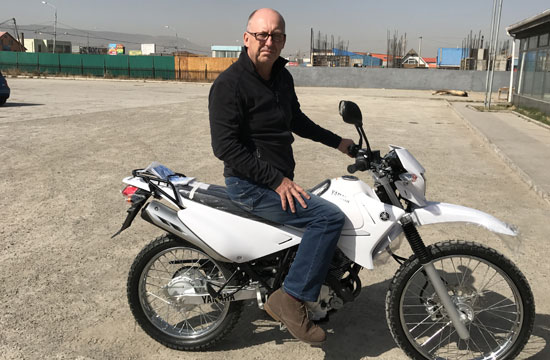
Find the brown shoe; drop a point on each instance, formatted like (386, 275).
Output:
(293, 314)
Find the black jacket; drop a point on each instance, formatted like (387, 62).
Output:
(252, 121)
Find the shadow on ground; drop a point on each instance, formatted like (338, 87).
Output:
(14, 104)
(357, 331)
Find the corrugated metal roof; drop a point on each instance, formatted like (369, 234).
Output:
(529, 23)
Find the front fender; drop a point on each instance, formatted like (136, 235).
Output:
(436, 212)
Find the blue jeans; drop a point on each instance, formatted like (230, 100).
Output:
(322, 220)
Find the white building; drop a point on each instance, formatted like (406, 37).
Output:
(148, 49)
(46, 46)
(226, 51)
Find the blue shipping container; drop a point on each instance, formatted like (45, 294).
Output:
(450, 56)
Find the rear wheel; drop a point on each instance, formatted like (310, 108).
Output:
(166, 273)
(491, 294)
(3, 101)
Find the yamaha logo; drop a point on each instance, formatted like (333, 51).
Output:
(384, 216)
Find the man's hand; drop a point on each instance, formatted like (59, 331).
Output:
(288, 190)
(344, 145)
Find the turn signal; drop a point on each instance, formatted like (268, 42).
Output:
(408, 177)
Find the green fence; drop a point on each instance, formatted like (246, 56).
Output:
(154, 67)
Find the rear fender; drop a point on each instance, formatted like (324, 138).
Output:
(137, 182)
(436, 213)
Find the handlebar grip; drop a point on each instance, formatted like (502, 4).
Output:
(353, 149)
(352, 168)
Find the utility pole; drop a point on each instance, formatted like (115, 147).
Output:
(54, 24)
(171, 28)
(420, 51)
(495, 24)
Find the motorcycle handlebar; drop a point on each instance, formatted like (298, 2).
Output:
(352, 168)
(361, 164)
(353, 149)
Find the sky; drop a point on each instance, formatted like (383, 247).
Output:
(364, 24)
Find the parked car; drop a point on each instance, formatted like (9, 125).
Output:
(4, 89)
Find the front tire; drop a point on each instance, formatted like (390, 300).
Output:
(169, 266)
(489, 291)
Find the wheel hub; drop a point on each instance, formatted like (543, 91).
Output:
(466, 313)
(462, 298)
(190, 282)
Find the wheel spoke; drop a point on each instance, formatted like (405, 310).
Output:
(434, 335)
(423, 321)
(159, 298)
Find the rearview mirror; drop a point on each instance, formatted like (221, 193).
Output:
(350, 112)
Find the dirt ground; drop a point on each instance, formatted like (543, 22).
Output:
(66, 144)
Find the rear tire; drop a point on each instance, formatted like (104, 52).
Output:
(486, 287)
(174, 324)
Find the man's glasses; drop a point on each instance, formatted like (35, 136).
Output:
(262, 36)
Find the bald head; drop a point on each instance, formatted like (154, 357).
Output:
(264, 39)
(260, 14)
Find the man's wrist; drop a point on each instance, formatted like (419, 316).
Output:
(276, 182)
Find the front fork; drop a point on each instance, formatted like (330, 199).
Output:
(425, 258)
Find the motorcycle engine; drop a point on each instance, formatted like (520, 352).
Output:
(326, 302)
(342, 285)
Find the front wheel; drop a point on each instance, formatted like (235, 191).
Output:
(165, 275)
(490, 293)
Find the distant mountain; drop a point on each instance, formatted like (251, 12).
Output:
(104, 38)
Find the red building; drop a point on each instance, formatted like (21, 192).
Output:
(9, 43)
(432, 62)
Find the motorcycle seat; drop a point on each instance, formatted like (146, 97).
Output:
(215, 196)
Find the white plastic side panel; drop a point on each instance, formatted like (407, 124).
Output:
(379, 219)
(436, 212)
(236, 238)
(342, 193)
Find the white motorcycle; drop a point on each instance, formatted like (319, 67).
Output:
(450, 300)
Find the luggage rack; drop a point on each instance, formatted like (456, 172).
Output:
(154, 183)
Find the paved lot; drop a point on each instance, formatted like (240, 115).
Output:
(66, 145)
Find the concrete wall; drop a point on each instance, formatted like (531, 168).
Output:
(523, 101)
(410, 79)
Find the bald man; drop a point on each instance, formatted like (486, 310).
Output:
(253, 113)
